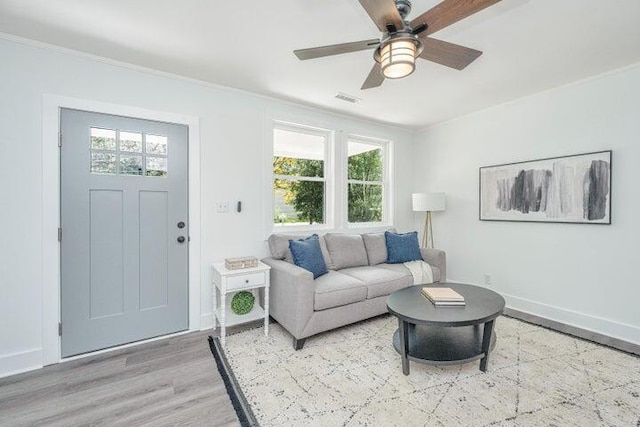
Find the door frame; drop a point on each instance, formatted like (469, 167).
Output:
(51, 256)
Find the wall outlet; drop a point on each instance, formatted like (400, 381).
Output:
(222, 207)
(487, 279)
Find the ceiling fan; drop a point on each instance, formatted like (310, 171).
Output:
(403, 41)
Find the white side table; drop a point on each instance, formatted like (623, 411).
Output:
(230, 281)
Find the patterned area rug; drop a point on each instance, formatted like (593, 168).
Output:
(352, 377)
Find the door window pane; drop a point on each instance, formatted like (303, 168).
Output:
(131, 142)
(156, 144)
(130, 165)
(103, 139)
(156, 166)
(128, 157)
(103, 162)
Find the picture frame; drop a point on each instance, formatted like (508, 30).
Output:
(567, 189)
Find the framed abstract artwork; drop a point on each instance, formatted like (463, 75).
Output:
(569, 189)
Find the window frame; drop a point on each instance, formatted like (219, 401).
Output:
(328, 177)
(385, 183)
(335, 174)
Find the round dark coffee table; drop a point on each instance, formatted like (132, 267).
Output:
(445, 335)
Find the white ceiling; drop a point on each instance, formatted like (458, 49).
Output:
(528, 45)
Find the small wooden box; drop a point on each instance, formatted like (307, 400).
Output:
(241, 262)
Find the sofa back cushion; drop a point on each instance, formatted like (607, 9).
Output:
(279, 247)
(346, 250)
(376, 247)
(279, 244)
(402, 247)
(306, 253)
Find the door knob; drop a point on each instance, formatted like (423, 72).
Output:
(181, 239)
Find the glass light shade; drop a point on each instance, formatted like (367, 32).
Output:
(397, 58)
(428, 202)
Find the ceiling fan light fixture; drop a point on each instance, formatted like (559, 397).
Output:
(402, 41)
(397, 57)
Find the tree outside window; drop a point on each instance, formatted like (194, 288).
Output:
(365, 182)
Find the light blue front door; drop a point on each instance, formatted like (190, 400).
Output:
(124, 246)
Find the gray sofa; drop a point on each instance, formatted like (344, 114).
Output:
(355, 288)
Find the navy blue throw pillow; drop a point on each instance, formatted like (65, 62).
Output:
(306, 253)
(402, 247)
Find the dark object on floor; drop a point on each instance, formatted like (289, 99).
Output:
(240, 404)
(298, 344)
(442, 335)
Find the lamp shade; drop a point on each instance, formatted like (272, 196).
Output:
(397, 58)
(428, 202)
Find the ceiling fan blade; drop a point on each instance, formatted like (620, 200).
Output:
(383, 13)
(449, 54)
(374, 79)
(449, 12)
(336, 49)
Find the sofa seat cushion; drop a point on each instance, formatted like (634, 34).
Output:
(335, 289)
(380, 281)
(400, 268)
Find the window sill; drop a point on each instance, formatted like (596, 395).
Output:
(350, 228)
(297, 229)
(369, 227)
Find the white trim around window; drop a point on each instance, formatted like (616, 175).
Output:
(335, 178)
(386, 183)
(328, 177)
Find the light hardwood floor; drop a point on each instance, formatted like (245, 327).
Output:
(169, 382)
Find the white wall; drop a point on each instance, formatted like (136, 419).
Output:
(233, 131)
(584, 275)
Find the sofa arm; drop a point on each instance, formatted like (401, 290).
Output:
(291, 295)
(436, 258)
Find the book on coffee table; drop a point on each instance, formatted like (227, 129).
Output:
(449, 303)
(443, 296)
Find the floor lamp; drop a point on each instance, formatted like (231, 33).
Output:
(428, 202)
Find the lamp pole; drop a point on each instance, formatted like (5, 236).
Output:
(427, 235)
(428, 203)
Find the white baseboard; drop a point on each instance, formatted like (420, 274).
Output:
(607, 327)
(610, 328)
(17, 363)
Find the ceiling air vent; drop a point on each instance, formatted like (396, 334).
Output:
(348, 98)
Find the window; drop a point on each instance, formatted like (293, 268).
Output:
(130, 153)
(312, 191)
(103, 151)
(299, 175)
(365, 181)
(156, 155)
(120, 152)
